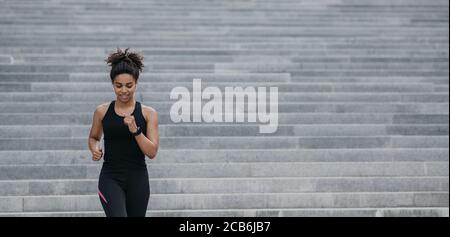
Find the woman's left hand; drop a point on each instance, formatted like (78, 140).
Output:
(131, 123)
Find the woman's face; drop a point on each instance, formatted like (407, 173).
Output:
(124, 86)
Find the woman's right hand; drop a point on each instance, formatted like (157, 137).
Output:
(97, 154)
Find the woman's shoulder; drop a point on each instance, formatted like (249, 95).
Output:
(148, 111)
(102, 109)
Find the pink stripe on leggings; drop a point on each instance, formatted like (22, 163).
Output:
(102, 197)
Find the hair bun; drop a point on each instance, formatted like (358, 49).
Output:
(131, 58)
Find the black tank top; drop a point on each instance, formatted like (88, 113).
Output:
(121, 148)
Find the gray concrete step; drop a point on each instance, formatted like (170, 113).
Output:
(245, 129)
(308, 62)
(425, 42)
(163, 86)
(434, 69)
(241, 169)
(232, 51)
(346, 107)
(234, 185)
(68, 157)
(212, 77)
(85, 118)
(249, 142)
(233, 201)
(291, 212)
(155, 97)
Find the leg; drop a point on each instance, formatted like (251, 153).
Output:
(138, 193)
(111, 196)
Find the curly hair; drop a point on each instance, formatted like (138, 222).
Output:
(125, 62)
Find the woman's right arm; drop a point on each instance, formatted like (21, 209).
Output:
(96, 134)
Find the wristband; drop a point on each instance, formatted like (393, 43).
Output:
(138, 131)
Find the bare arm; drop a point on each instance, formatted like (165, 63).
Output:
(149, 145)
(95, 135)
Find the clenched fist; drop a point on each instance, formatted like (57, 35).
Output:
(131, 123)
(97, 154)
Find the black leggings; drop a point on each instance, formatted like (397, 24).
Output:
(124, 193)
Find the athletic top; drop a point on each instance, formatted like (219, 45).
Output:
(121, 148)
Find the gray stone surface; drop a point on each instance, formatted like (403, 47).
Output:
(363, 105)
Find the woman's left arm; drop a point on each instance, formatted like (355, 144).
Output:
(149, 145)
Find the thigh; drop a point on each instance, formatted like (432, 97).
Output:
(138, 193)
(112, 196)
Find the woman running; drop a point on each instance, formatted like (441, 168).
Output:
(130, 133)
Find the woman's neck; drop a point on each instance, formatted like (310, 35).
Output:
(128, 104)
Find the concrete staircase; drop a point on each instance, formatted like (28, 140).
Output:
(363, 101)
